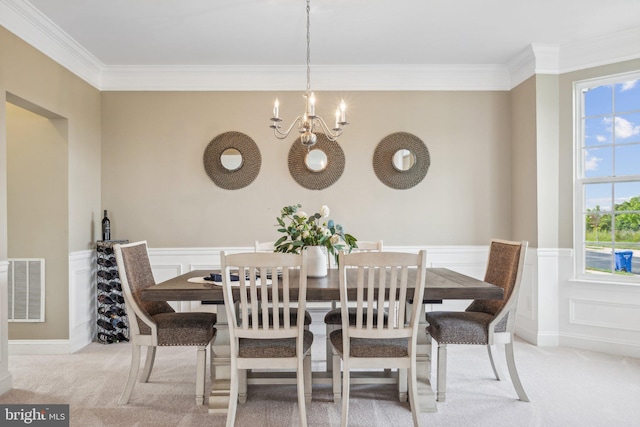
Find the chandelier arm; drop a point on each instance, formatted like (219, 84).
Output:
(331, 134)
(282, 135)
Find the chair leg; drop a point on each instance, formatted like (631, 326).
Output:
(494, 365)
(148, 364)
(308, 381)
(441, 387)
(346, 377)
(201, 372)
(300, 375)
(513, 372)
(329, 347)
(402, 385)
(336, 380)
(133, 374)
(233, 395)
(413, 395)
(242, 385)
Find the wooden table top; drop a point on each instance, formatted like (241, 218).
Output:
(440, 284)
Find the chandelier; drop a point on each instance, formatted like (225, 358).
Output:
(309, 122)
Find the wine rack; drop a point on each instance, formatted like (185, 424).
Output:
(113, 323)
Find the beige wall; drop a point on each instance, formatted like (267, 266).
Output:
(28, 74)
(524, 163)
(37, 207)
(155, 187)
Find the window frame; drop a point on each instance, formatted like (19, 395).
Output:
(580, 181)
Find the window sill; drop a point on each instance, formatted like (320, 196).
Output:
(633, 282)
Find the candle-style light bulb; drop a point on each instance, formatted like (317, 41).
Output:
(312, 105)
(343, 111)
(276, 109)
(337, 118)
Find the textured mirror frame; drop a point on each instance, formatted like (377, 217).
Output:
(238, 178)
(321, 179)
(389, 174)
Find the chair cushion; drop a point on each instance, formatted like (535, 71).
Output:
(191, 328)
(293, 317)
(366, 347)
(461, 327)
(334, 317)
(257, 348)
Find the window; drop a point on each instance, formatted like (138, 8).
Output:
(608, 178)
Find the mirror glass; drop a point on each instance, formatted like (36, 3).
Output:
(316, 160)
(231, 159)
(403, 160)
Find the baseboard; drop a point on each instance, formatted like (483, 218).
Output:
(526, 334)
(38, 347)
(600, 345)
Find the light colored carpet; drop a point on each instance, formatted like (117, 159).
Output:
(567, 387)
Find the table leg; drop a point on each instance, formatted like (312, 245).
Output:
(423, 364)
(220, 365)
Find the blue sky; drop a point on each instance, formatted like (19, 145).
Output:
(612, 142)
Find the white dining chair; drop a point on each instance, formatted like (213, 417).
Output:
(485, 322)
(155, 323)
(377, 342)
(259, 339)
(333, 318)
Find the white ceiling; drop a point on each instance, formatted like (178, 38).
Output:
(117, 36)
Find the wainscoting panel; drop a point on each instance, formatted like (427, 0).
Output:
(553, 309)
(82, 299)
(605, 314)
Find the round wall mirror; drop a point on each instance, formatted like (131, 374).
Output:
(319, 167)
(316, 160)
(403, 160)
(231, 159)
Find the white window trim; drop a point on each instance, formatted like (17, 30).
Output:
(578, 181)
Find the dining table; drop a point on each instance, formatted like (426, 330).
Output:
(440, 284)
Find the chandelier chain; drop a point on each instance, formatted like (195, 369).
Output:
(308, 48)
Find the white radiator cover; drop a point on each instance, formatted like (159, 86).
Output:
(25, 288)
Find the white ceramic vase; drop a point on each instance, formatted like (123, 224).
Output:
(316, 261)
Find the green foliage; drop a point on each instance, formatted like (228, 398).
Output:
(627, 221)
(301, 230)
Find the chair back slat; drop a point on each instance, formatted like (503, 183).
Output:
(370, 293)
(404, 281)
(264, 303)
(382, 281)
(380, 304)
(285, 299)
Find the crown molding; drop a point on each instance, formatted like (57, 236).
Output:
(604, 50)
(28, 23)
(22, 19)
(327, 77)
(537, 58)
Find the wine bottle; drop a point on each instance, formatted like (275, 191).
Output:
(106, 227)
